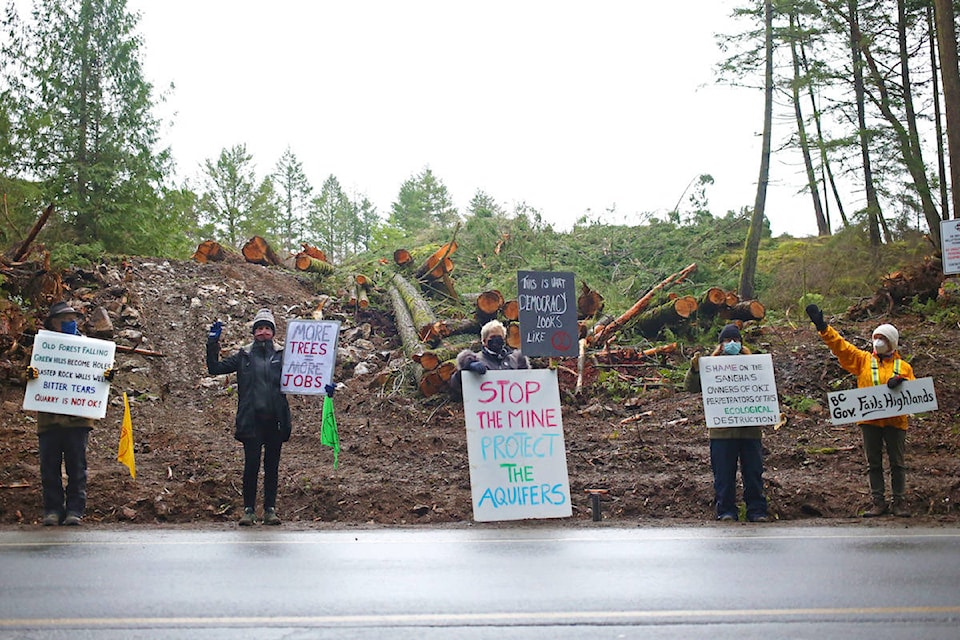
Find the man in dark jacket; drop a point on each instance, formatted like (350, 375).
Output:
(494, 354)
(63, 442)
(263, 415)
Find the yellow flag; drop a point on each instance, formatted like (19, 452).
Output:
(125, 450)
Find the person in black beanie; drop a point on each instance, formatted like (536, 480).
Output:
(728, 445)
(263, 414)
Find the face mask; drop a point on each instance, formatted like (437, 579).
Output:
(495, 344)
(880, 346)
(69, 326)
(731, 348)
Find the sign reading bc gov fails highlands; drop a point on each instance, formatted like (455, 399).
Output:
(739, 391)
(873, 403)
(518, 460)
(71, 375)
(309, 355)
(548, 313)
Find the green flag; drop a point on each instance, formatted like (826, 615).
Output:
(328, 430)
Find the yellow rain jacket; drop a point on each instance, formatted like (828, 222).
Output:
(869, 369)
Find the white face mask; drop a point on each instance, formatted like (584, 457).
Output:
(880, 346)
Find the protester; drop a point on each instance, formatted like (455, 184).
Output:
(63, 442)
(882, 365)
(728, 445)
(263, 414)
(494, 354)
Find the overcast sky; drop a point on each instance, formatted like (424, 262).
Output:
(567, 106)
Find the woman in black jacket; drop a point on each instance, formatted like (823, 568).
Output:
(263, 415)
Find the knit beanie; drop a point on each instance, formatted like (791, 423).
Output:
(730, 332)
(264, 316)
(889, 332)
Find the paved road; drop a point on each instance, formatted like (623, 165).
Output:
(712, 582)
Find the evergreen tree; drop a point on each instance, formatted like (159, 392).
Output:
(293, 199)
(230, 194)
(423, 202)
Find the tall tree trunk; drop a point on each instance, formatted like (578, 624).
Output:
(938, 117)
(873, 202)
(823, 229)
(950, 74)
(752, 246)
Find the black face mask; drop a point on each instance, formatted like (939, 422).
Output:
(495, 344)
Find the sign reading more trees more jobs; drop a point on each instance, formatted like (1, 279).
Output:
(309, 355)
(71, 378)
(548, 313)
(739, 391)
(872, 403)
(950, 246)
(518, 460)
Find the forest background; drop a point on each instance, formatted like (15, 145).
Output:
(862, 89)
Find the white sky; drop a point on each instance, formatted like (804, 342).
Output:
(567, 106)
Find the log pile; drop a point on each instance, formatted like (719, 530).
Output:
(921, 282)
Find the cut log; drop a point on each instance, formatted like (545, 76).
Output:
(669, 314)
(629, 355)
(404, 322)
(420, 310)
(258, 251)
(352, 296)
(16, 255)
(209, 251)
(746, 310)
(446, 350)
(589, 303)
(305, 262)
(609, 330)
(444, 328)
(511, 310)
(489, 304)
(313, 252)
(513, 338)
(402, 258)
(362, 280)
(733, 299)
(710, 302)
(435, 263)
(363, 299)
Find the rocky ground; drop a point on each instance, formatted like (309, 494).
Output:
(404, 460)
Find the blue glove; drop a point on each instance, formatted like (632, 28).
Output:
(330, 388)
(477, 367)
(215, 330)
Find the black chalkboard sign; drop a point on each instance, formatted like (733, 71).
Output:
(548, 313)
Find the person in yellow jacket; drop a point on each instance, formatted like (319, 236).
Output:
(883, 365)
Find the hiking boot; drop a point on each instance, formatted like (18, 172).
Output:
(900, 508)
(270, 516)
(51, 519)
(248, 519)
(726, 517)
(879, 508)
(72, 520)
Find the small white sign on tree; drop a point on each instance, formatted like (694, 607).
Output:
(71, 378)
(518, 460)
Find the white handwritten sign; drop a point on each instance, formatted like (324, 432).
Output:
(739, 391)
(309, 355)
(872, 403)
(71, 378)
(518, 461)
(950, 245)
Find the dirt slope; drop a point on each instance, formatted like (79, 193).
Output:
(404, 459)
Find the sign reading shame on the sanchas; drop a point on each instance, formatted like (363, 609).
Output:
(739, 391)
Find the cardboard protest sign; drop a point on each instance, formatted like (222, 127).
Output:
(739, 391)
(548, 313)
(872, 403)
(71, 375)
(950, 246)
(518, 460)
(309, 356)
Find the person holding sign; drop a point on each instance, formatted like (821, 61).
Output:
(263, 414)
(728, 445)
(495, 354)
(63, 441)
(883, 365)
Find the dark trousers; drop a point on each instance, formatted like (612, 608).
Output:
(874, 441)
(724, 455)
(269, 443)
(64, 447)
